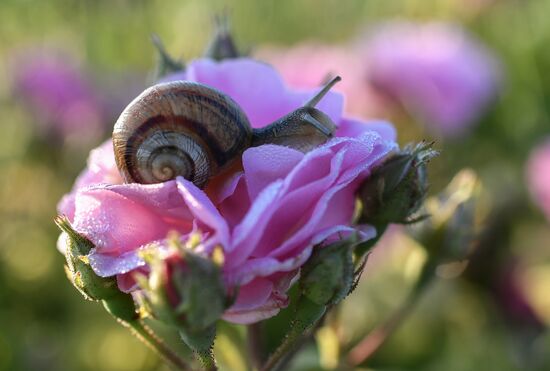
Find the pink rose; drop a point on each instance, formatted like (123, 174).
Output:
(436, 71)
(538, 176)
(266, 217)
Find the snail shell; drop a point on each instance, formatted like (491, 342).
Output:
(187, 129)
(179, 129)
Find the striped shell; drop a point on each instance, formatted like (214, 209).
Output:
(179, 129)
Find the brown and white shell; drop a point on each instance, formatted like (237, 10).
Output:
(187, 129)
(179, 128)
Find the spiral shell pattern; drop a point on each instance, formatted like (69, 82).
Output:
(179, 128)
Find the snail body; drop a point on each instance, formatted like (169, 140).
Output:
(302, 129)
(187, 129)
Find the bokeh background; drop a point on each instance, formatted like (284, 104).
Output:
(68, 68)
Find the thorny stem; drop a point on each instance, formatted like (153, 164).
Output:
(305, 319)
(300, 343)
(377, 337)
(207, 360)
(275, 359)
(149, 338)
(281, 354)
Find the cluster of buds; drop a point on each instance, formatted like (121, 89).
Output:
(184, 289)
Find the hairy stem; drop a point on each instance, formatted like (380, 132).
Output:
(307, 315)
(149, 338)
(207, 360)
(276, 359)
(304, 339)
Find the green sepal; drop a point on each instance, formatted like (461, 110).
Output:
(79, 271)
(222, 45)
(328, 275)
(308, 313)
(122, 307)
(199, 341)
(80, 245)
(202, 345)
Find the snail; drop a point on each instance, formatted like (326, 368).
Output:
(187, 129)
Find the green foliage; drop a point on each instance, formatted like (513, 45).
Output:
(79, 271)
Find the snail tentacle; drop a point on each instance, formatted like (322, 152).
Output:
(303, 129)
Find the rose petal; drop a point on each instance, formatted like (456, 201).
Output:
(247, 234)
(355, 128)
(263, 102)
(257, 301)
(122, 218)
(266, 164)
(203, 210)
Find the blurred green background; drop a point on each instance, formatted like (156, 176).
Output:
(45, 324)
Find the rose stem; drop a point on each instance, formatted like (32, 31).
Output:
(300, 343)
(206, 358)
(306, 317)
(149, 338)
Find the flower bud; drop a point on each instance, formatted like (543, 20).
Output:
(328, 276)
(165, 64)
(456, 217)
(183, 289)
(78, 270)
(397, 187)
(222, 45)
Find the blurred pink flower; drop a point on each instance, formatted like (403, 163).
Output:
(437, 71)
(538, 176)
(307, 65)
(59, 95)
(267, 217)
